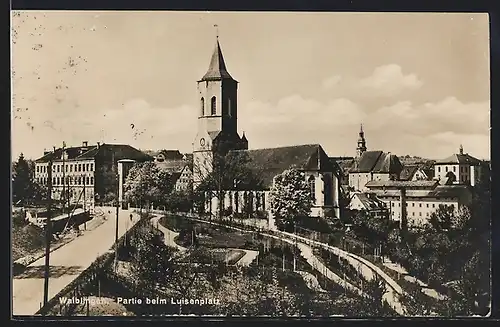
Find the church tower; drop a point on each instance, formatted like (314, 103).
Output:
(361, 143)
(217, 117)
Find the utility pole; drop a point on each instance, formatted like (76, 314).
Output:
(48, 233)
(84, 200)
(117, 210)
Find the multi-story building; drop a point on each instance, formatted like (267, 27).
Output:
(86, 172)
(183, 179)
(460, 168)
(413, 202)
(370, 204)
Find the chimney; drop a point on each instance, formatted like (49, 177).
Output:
(98, 144)
(85, 143)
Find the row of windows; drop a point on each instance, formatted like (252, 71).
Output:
(427, 214)
(463, 169)
(80, 180)
(184, 180)
(213, 106)
(68, 167)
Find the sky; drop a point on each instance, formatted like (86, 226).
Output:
(418, 82)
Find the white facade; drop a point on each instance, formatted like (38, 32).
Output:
(75, 177)
(259, 200)
(418, 209)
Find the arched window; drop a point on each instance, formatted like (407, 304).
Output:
(202, 107)
(312, 187)
(229, 109)
(213, 106)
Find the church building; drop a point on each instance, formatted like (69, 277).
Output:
(217, 136)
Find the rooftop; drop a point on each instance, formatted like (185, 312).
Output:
(401, 184)
(459, 159)
(267, 163)
(121, 151)
(378, 162)
(217, 69)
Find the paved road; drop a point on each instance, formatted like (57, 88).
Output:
(66, 263)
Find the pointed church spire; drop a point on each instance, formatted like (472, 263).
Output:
(361, 143)
(217, 69)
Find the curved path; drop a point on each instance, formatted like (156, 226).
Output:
(367, 269)
(305, 251)
(168, 234)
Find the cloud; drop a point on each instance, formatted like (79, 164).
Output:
(385, 81)
(450, 114)
(135, 122)
(433, 130)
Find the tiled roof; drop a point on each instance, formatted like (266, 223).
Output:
(217, 69)
(398, 184)
(459, 159)
(443, 191)
(408, 172)
(461, 192)
(172, 165)
(121, 151)
(370, 201)
(267, 163)
(378, 162)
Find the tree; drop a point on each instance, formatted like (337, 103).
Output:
(146, 184)
(153, 263)
(25, 189)
(228, 171)
(290, 197)
(442, 218)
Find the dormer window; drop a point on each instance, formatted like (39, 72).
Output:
(160, 158)
(213, 106)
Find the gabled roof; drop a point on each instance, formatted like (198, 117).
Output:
(267, 163)
(175, 176)
(217, 70)
(369, 201)
(459, 159)
(121, 151)
(378, 162)
(408, 172)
